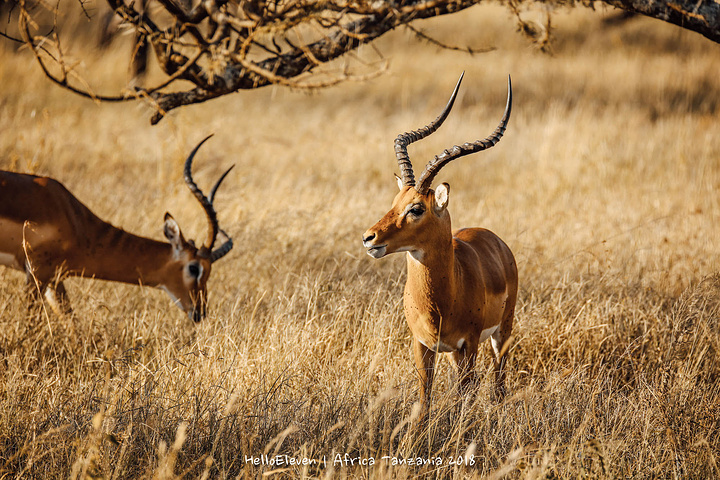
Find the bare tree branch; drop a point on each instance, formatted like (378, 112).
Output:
(424, 36)
(701, 16)
(221, 46)
(241, 73)
(224, 46)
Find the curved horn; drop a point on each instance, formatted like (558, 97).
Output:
(204, 202)
(223, 249)
(405, 139)
(217, 184)
(434, 166)
(227, 245)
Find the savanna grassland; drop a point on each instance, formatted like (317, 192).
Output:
(605, 187)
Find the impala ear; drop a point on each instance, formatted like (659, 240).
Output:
(399, 182)
(442, 196)
(173, 233)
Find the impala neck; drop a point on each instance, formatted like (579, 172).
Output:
(123, 257)
(432, 278)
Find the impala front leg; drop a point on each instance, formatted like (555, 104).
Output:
(465, 363)
(57, 297)
(34, 289)
(33, 296)
(424, 363)
(500, 344)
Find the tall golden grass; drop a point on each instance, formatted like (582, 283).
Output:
(605, 187)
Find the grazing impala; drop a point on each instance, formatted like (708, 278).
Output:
(461, 286)
(49, 234)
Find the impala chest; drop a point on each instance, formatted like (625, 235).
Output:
(10, 243)
(9, 260)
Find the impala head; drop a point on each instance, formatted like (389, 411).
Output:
(189, 270)
(410, 223)
(418, 212)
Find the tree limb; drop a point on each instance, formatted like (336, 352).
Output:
(701, 16)
(224, 46)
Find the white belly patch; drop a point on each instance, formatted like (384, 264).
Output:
(485, 334)
(9, 260)
(439, 347)
(442, 347)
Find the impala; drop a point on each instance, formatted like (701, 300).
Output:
(49, 234)
(461, 286)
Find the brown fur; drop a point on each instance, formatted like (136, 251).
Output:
(51, 234)
(458, 284)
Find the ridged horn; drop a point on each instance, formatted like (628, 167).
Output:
(227, 245)
(404, 139)
(434, 166)
(207, 205)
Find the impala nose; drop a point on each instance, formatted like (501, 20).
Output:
(375, 251)
(198, 311)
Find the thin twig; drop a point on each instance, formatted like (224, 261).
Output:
(436, 42)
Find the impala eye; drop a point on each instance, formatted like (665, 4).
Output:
(417, 210)
(194, 270)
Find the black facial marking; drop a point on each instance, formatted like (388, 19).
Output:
(194, 270)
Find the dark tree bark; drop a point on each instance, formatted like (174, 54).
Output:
(702, 16)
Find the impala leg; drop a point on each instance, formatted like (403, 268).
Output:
(57, 297)
(424, 364)
(465, 363)
(500, 346)
(33, 291)
(39, 286)
(33, 296)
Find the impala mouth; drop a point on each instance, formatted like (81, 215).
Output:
(377, 252)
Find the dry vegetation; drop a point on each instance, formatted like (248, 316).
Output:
(605, 187)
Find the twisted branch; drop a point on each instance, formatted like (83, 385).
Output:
(223, 46)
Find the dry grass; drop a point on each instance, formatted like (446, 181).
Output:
(605, 187)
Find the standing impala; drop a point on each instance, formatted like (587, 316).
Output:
(461, 286)
(49, 234)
